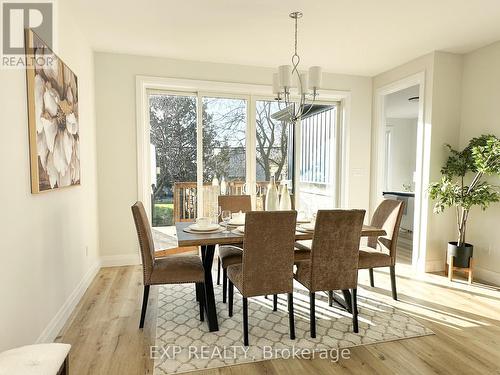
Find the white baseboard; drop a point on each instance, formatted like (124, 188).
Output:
(491, 277)
(120, 260)
(50, 332)
(434, 265)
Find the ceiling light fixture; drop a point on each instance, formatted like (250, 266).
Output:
(307, 84)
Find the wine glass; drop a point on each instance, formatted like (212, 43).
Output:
(219, 214)
(226, 216)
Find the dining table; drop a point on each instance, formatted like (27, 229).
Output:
(208, 241)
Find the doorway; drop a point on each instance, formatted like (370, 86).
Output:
(400, 162)
(401, 121)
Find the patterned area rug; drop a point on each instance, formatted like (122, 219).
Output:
(184, 344)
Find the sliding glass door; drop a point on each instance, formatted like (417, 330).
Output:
(224, 142)
(224, 123)
(318, 150)
(273, 148)
(204, 144)
(173, 156)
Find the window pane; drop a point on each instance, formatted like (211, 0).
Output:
(318, 159)
(273, 144)
(173, 157)
(224, 128)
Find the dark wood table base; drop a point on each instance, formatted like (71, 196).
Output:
(345, 303)
(207, 256)
(208, 241)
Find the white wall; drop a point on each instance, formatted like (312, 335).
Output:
(403, 150)
(116, 135)
(441, 118)
(447, 80)
(44, 237)
(480, 112)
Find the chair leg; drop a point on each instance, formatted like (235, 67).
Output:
(354, 301)
(393, 283)
(372, 281)
(224, 285)
(144, 305)
(64, 370)
(275, 302)
(330, 298)
(312, 314)
(245, 321)
(200, 290)
(218, 271)
(291, 317)
(231, 293)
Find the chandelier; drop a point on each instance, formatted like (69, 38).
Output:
(289, 77)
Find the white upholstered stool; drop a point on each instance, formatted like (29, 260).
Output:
(41, 359)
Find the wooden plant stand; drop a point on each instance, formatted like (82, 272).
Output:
(449, 268)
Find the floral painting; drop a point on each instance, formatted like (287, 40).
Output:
(53, 118)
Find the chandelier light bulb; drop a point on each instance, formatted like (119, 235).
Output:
(315, 77)
(285, 76)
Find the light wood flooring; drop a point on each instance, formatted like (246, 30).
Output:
(405, 247)
(104, 330)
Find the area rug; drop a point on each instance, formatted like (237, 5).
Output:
(184, 344)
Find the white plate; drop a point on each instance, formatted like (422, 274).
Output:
(240, 229)
(309, 227)
(303, 220)
(189, 230)
(237, 222)
(206, 228)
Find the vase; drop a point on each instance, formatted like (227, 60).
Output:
(461, 254)
(223, 186)
(272, 203)
(285, 201)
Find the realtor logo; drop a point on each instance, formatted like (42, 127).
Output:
(16, 17)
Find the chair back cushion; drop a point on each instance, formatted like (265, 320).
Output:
(335, 249)
(235, 203)
(268, 252)
(388, 217)
(145, 240)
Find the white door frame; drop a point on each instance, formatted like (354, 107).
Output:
(252, 92)
(421, 200)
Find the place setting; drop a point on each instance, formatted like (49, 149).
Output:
(203, 225)
(306, 224)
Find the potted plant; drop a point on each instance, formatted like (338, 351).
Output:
(481, 158)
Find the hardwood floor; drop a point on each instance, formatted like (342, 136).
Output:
(104, 330)
(405, 247)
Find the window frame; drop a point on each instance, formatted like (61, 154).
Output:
(146, 86)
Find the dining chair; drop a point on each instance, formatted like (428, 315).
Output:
(230, 254)
(333, 264)
(381, 251)
(172, 269)
(267, 262)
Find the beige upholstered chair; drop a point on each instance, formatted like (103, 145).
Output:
(267, 263)
(173, 269)
(333, 264)
(231, 254)
(381, 251)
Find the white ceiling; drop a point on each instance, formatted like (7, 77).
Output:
(364, 37)
(398, 106)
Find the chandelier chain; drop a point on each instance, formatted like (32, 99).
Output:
(287, 100)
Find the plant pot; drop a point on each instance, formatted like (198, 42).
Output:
(461, 254)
